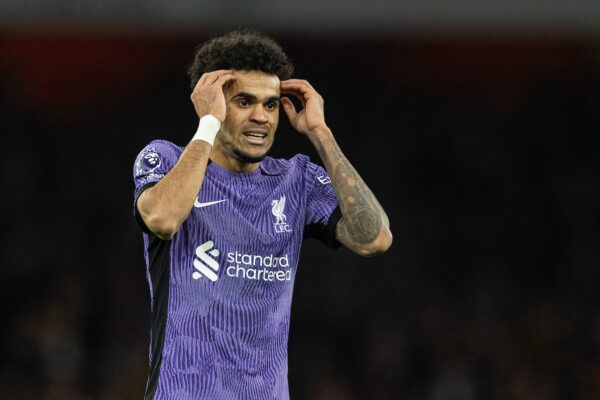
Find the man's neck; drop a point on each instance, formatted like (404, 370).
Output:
(232, 164)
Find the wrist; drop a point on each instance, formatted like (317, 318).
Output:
(320, 134)
(208, 127)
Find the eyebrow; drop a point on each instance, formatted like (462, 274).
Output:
(250, 96)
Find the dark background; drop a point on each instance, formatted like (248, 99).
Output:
(479, 147)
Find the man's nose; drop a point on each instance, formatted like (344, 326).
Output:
(259, 115)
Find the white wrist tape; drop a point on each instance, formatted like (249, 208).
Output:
(207, 129)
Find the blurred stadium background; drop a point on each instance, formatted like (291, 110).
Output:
(473, 122)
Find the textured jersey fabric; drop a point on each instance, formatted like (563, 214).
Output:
(221, 289)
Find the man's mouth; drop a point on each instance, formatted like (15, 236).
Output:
(256, 137)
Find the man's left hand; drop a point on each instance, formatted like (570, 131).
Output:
(310, 121)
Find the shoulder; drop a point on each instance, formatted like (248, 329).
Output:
(159, 150)
(155, 159)
(298, 169)
(162, 146)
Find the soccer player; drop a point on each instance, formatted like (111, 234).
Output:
(223, 224)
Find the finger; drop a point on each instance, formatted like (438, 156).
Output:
(301, 89)
(200, 83)
(289, 108)
(299, 95)
(212, 76)
(293, 90)
(202, 79)
(223, 79)
(209, 76)
(298, 83)
(298, 90)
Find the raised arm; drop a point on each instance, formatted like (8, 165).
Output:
(364, 226)
(166, 205)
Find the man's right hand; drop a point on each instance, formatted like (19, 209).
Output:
(208, 97)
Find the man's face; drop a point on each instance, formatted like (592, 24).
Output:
(252, 116)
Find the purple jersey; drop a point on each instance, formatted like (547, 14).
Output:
(221, 289)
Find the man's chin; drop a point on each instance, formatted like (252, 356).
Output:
(249, 158)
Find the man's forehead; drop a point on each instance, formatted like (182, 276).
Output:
(255, 82)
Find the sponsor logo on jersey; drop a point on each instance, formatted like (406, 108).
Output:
(204, 264)
(277, 209)
(198, 204)
(256, 267)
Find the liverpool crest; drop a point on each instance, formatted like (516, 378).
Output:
(278, 211)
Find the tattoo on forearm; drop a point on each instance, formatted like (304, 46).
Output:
(362, 215)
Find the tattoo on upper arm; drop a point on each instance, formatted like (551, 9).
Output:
(362, 215)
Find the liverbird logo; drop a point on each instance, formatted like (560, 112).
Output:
(277, 210)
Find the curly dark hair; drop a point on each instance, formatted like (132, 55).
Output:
(244, 50)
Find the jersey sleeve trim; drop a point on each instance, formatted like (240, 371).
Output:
(325, 233)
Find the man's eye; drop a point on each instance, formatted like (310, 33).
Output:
(271, 106)
(243, 103)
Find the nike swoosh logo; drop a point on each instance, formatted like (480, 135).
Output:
(197, 204)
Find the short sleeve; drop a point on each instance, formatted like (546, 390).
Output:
(151, 165)
(322, 207)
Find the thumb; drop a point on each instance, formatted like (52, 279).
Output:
(289, 108)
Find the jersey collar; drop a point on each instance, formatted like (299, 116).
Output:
(269, 166)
